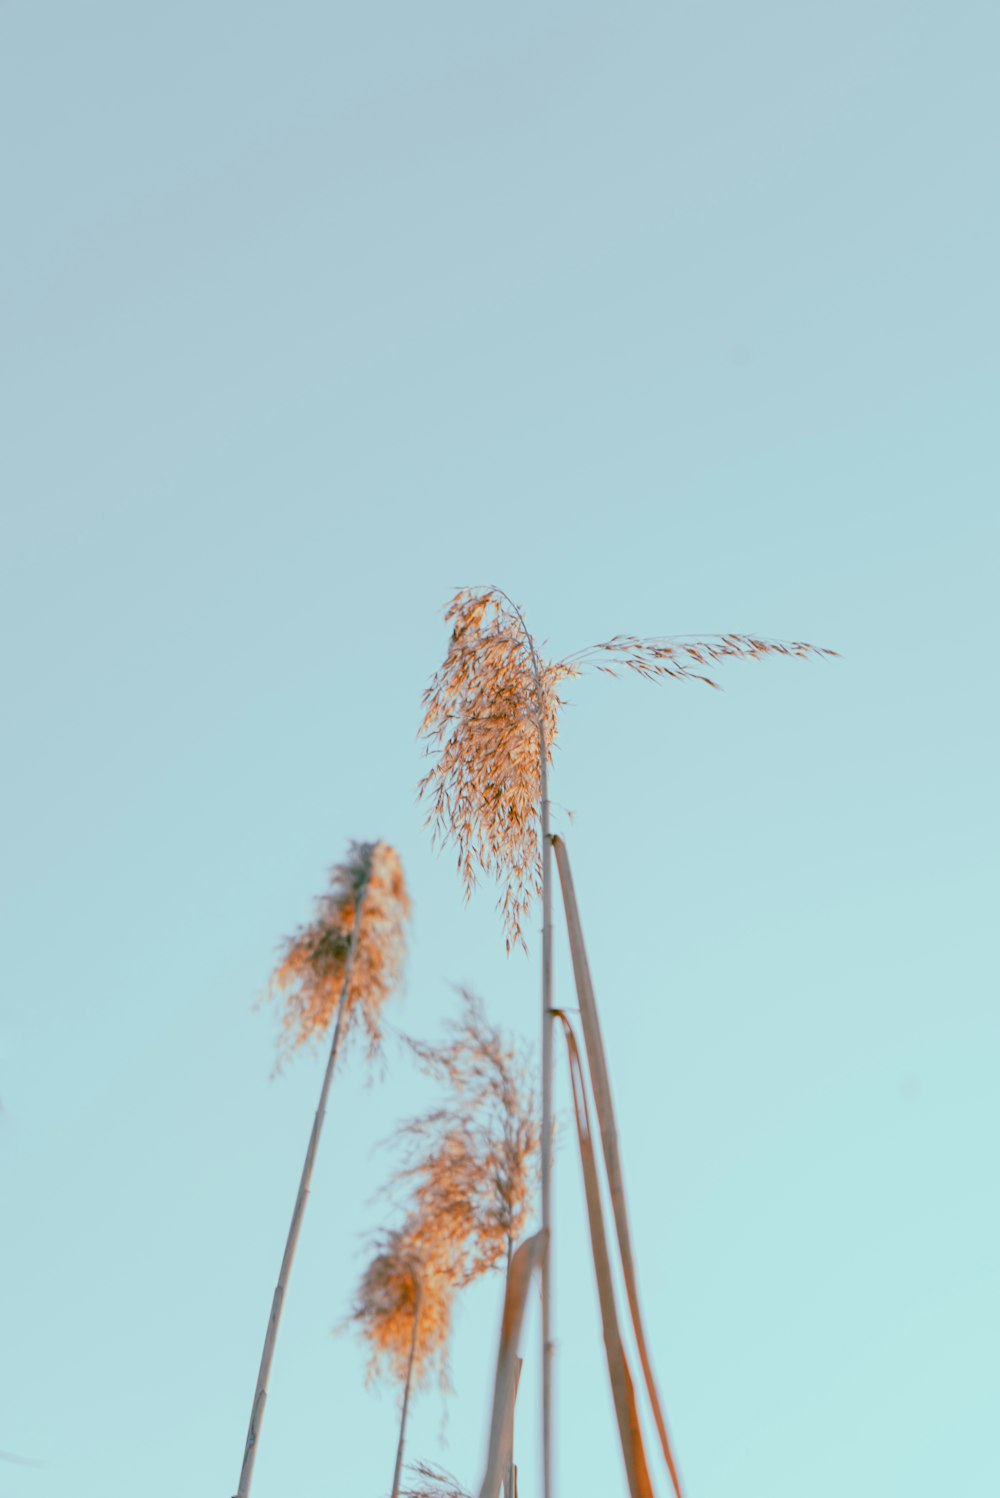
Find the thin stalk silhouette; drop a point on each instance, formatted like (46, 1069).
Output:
(318, 956)
(601, 1083)
(403, 1307)
(622, 1388)
(406, 1394)
(545, 1266)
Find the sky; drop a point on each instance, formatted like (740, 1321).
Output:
(667, 319)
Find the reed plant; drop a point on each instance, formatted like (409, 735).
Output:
(464, 1181)
(470, 1162)
(403, 1309)
(334, 978)
(491, 719)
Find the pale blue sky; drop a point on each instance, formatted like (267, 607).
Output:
(666, 319)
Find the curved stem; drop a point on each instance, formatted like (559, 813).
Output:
(601, 1084)
(622, 1389)
(270, 1336)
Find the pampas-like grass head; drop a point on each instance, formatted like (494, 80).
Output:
(492, 705)
(407, 1274)
(310, 978)
(471, 1162)
(483, 710)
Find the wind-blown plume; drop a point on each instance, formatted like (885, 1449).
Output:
(471, 1163)
(405, 1279)
(490, 705)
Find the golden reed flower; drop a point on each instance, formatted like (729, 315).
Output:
(471, 1162)
(407, 1277)
(493, 703)
(310, 977)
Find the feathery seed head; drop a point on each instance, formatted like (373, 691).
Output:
(407, 1277)
(366, 904)
(429, 1481)
(487, 710)
(491, 714)
(471, 1163)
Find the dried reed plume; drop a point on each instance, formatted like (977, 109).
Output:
(491, 717)
(344, 964)
(406, 1279)
(471, 1162)
(368, 889)
(403, 1307)
(429, 1481)
(483, 710)
(491, 706)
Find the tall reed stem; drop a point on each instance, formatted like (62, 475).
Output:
(548, 1485)
(601, 1083)
(548, 1488)
(260, 1393)
(406, 1397)
(526, 1260)
(622, 1389)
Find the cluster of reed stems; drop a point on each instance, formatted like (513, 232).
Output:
(490, 723)
(463, 1185)
(466, 1166)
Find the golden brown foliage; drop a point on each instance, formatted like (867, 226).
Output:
(493, 704)
(408, 1274)
(471, 1163)
(367, 889)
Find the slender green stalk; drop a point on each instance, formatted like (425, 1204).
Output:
(270, 1337)
(406, 1397)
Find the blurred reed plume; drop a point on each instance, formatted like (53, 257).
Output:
(467, 1172)
(311, 977)
(428, 1481)
(403, 1309)
(338, 969)
(408, 1282)
(471, 1162)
